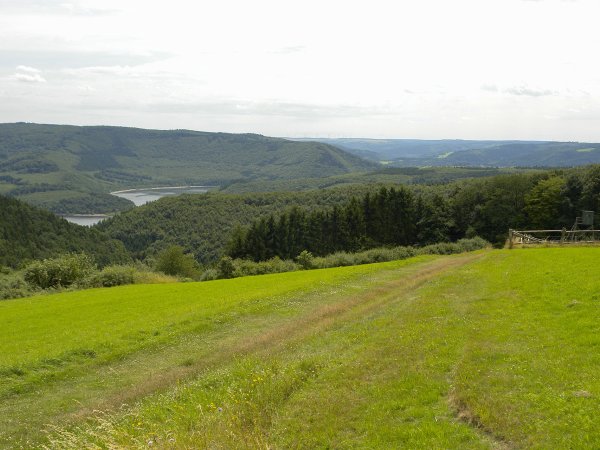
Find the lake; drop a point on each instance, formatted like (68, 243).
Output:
(87, 220)
(138, 197)
(142, 196)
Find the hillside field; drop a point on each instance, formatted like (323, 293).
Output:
(491, 349)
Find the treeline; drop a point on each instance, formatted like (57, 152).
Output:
(202, 223)
(424, 215)
(486, 207)
(388, 217)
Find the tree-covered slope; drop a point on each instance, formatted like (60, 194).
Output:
(29, 233)
(63, 167)
(485, 206)
(203, 223)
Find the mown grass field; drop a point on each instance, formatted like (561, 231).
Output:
(493, 349)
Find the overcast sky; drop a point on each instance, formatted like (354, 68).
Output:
(472, 69)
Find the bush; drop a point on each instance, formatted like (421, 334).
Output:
(209, 275)
(149, 277)
(476, 243)
(443, 248)
(384, 254)
(226, 268)
(112, 276)
(243, 267)
(173, 261)
(59, 272)
(13, 286)
(306, 259)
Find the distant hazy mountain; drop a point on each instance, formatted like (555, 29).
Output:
(411, 152)
(71, 169)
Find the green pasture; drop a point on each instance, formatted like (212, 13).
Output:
(492, 349)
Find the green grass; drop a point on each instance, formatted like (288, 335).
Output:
(530, 371)
(112, 322)
(108, 340)
(496, 349)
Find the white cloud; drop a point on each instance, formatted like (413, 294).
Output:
(531, 92)
(519, 90)
(489, 87)
(29, 74)
(29, 78)
(28, 69)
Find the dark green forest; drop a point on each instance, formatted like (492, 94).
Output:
(399, 216)
(204, 224)
(28, 233)
(386, 218)
(349, 217)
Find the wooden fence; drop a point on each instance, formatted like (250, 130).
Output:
(559, 237)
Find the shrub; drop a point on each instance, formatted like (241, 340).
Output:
(62, 271)
(173, 261)
(443, 248)
(274, 265)
(226, 268)
(475, 243)
(384, 254)
(210, 274)
(149, 277)
(13, 286)
(306, 259)
(112, 276)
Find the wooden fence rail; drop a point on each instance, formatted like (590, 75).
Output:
(564, 236)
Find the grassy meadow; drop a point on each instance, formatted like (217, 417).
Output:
(491, 349)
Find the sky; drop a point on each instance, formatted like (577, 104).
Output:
(425, 69)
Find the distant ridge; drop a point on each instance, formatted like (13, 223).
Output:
(71, 169)
(456, 152)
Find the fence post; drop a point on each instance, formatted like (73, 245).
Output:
(563, 235)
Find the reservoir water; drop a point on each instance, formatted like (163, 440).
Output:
(142, 196)
(87, 220)
(138, 197)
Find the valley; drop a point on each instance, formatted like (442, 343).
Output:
(138, 197)
(370, 309)
(299, 225)
(72, 170)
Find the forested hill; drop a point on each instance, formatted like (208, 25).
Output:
(29, 233)
(54, 165)
(202, 224)
(485, 207)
